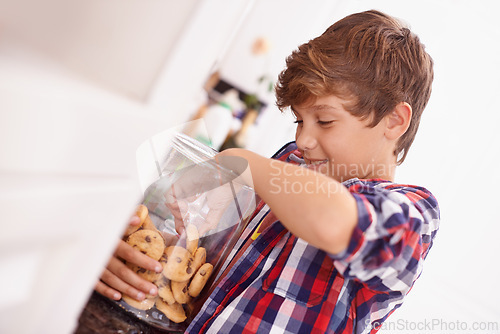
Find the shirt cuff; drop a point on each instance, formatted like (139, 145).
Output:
(365, 218)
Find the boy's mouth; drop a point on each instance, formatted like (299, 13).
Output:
(316, 164)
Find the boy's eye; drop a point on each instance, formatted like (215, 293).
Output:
(298, 121)
(325, 122)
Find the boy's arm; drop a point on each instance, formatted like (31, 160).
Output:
(378, 235)
(312, 206)
(396, 227)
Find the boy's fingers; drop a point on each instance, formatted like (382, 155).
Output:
(132, 255)
(113, 287)
(134, 221)
(120, 277)
(177, 215)
(174, 209)
(106, 291)
(179, 225)
(173, 206)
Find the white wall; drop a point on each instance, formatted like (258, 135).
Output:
(119, 45)
(455, 156)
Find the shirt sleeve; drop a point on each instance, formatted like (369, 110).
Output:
(395, 230)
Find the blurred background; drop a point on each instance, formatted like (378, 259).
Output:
(84, 83)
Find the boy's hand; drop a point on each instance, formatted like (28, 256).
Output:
(203, 210)
(204, 191)
(178, 208)
(218, 200)
(118, 279)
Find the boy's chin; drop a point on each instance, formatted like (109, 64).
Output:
(324, 168)
(328, 169)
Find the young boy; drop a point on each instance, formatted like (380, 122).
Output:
(334, 246)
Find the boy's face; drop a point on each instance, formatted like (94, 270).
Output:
(340, 145)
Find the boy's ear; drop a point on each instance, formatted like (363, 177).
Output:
(398, 121)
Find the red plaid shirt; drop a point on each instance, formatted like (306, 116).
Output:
(281, 284)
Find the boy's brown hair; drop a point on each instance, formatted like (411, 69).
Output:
(368, 58)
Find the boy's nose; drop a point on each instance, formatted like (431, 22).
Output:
(305, 140)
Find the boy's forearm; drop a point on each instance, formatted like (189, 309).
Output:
(312, 206)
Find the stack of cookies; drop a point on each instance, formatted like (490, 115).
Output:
(185, 270)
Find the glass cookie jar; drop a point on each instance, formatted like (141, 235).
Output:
(191, 217)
